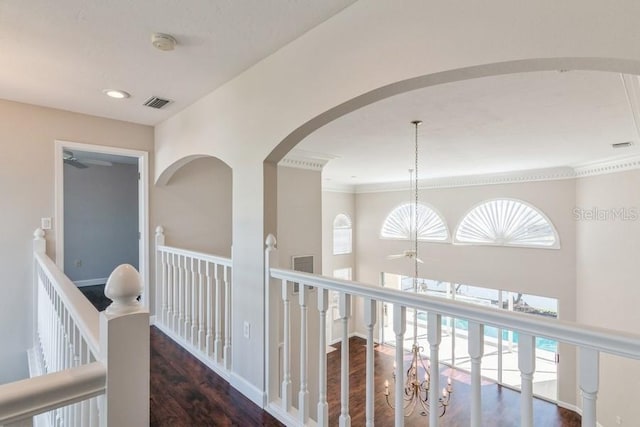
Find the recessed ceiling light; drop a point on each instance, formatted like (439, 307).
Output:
(115, 93)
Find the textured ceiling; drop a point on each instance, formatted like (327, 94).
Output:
(63, 53)
(488, 125)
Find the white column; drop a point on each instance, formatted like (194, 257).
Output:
(434, 336)
(272, 316)
(345, 312)
(476, 351)
(286, 351)
(124, 347)
(370, 311)
(303, 394)
(323, 405)
(589, 365)
(399, 328)
(527, 366)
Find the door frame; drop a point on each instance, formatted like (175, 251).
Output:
(143, 202)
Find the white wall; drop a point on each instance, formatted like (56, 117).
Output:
(345, 63)
(100, 220)
(546, 272)
(608, 283)
(195, 207)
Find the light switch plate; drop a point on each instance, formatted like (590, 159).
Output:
(45, 223)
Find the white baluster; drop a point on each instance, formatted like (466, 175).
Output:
(218, 313)
(323, 405)
(272, 316)
(345, 313)
(188, 296)
(303, 394)
(399, 328)
(181, 297)
(175, 262)
(589, 362)
(286, 352)
(434, 336)
(527, 366)
(370, 312)
(161, 296)
(476, 351)
(227, 318)
(168, 283)
(204, 303)
(209, 308)
(94, 415)
(195, 320)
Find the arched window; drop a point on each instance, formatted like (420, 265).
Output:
(398, 224)
(507, 222)
(342, 235)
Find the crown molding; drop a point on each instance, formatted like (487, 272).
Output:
(612, 165)
(302, 159)
(548, 174)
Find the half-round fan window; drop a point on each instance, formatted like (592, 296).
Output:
(507, 222)
(399, 224)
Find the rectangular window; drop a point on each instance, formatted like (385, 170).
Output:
(341, 241)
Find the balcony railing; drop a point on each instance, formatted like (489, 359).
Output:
(88, 368)
(590, 342)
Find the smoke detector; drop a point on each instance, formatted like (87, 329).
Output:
(164, 42)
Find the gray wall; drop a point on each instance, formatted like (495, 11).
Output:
(100, 220)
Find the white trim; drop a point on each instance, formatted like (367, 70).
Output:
(580, 170)
(548, 174)
(250, 391)
(302, 159)
(143, 202)
(152, 320)
(90, 282)
(612, 165)
(287, 418)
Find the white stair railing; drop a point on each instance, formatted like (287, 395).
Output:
(88, 368)
(193, 302)
(590, 341)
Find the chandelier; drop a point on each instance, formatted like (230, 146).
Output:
(417, 384)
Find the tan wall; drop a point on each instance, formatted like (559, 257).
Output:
(607, 283)
(27, 135)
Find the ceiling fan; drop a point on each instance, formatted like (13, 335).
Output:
(69, 158)
(408, 253)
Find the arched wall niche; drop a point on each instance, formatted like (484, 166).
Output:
(165, 176)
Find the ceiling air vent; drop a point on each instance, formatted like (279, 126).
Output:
(622, 144)
(155, 102)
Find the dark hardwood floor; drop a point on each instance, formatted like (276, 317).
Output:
(500, 405)
(184, 392)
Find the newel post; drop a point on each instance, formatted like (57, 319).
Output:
(272, 319)
(160, 278)
(124, 348)
(39, 242)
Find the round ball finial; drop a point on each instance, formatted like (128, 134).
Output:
(159, 229)
(39, 233)
(123, 288)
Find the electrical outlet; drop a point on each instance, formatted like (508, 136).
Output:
(45, 223)
(77, 263)
(247, 329)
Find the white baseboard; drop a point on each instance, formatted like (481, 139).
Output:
(351, 335)
(152, 320)
(250, 391)
(90, 282)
